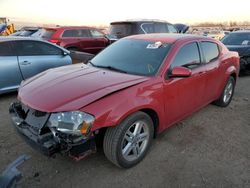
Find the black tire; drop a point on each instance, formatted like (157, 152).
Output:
(114, 137)
(221, 102)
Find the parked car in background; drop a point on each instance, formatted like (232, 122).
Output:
(26, 31)
(22, 58)
(84, 39)
(239, 41)
(216, 34)
(122, 29)
(127, 97)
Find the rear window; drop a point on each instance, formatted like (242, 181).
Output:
(210, 50)
(171, 28)
(121, 30)
(47, 33)
(161, 28)
(158, 28)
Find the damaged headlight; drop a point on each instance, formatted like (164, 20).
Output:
(76, 122)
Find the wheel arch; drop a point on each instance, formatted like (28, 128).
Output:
(234, 75)
(154, 116)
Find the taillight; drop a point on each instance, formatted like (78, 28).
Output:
(55, 41)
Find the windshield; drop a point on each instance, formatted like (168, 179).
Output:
(236, 39)
(133, 56)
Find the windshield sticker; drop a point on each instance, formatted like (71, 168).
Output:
(154, 45)
(245, 42)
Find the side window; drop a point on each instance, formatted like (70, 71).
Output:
(188, 56)
(210, 50)
(31, 48)
(5, 49)
(147, 27)
(171, 29)
(76, 33)
(161, 28)
(96, 34)
(84, 33)
(68, 33)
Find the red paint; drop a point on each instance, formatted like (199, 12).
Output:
(112, 96)
(85, 44)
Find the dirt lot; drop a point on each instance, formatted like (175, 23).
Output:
(209, 149)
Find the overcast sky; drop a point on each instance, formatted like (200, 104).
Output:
(92, 12)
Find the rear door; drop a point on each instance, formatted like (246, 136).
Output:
(211, 60)
(10, 75)
(182, 96)
(37, 56)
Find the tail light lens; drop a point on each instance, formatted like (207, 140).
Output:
(55, 41)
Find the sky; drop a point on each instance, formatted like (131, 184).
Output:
(102, 12)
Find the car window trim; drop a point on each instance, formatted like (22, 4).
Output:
(141, 26)
(203, 53)
(199, 51)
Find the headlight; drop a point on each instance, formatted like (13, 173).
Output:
(75, 122)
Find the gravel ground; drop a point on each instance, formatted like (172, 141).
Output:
(209, 149)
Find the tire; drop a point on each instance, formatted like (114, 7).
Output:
(126, 137)
(228, 90)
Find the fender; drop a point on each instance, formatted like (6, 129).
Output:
(113, 109)
(230, 70)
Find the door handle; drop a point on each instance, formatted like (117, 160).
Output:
(25, 63)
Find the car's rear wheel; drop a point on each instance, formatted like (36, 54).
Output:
(127, 144)
(227, 93)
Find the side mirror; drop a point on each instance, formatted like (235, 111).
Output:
(180, 72)
(65, 53)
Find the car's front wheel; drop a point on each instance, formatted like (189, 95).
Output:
(127, 144)
(227, 94)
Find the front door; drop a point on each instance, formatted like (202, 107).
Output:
(183, 96)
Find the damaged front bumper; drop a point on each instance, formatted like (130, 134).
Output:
(32, 126)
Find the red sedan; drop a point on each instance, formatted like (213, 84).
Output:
(131, 91)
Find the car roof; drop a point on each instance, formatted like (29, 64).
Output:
(139, 21)
(70, 27)
(166, 37)
(241, 31)
(15, 38)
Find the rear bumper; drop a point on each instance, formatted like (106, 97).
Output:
(46, 143)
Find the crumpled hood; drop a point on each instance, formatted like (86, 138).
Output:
(72, 87)
(243, 50)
